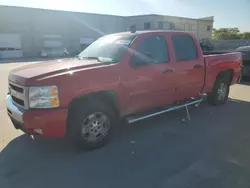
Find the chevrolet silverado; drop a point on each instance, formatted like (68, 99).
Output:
(130, 75)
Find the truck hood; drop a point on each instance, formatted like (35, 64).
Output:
(49, 68)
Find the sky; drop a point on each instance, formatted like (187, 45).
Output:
(227, 13)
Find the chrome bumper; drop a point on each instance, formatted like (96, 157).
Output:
(13, 111)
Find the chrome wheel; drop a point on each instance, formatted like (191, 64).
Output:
(222, 91)
(95, 127)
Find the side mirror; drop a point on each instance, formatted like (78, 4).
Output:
(135, 62)
(141, 59)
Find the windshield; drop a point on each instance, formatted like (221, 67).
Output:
(107, 49)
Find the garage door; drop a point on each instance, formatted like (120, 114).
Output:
(85, 42)
(53, 45)
(10, 46)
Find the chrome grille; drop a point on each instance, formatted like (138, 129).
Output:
(19, 95)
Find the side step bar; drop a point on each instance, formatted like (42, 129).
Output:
(133, 119)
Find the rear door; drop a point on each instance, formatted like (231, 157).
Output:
(151, 83)
(189, 66)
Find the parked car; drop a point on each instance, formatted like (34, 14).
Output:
(245, 50)
(123, 75)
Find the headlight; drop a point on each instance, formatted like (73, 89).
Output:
(43, 97)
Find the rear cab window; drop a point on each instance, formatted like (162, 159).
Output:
(184, 48)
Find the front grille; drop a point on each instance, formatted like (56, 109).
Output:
(19, 95)
(16, 88)
(9, 112)
(18, 101)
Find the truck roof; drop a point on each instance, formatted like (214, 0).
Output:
(128, 33)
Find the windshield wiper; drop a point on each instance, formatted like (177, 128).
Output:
(77, 57)
(99, 59)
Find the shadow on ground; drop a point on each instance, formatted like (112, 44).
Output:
(212, 150)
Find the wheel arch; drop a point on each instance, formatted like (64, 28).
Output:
(226, 73)
(108, 97)
(226, 76)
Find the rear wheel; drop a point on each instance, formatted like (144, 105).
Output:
(220, 92)
(91, 126)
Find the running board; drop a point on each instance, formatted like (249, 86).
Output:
(133, 119)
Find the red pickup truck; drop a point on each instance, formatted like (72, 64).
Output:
(123, 75)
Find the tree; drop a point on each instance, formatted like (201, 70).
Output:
(245, 35)
(226, 33)
(229, 34)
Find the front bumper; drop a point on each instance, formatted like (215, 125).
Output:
(52, 122)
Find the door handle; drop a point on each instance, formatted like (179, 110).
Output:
(197, 66)
(167, 71)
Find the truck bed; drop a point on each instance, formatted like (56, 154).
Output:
(216, 52)
(216, 62)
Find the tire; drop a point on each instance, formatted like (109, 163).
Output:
(220, 92)
(84, 125)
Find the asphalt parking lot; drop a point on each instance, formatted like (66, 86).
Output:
(210, 151)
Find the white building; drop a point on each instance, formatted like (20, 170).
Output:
(201, 27)
(28, 31)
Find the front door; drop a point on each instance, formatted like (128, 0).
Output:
(151, 81)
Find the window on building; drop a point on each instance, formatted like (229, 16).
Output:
(160, 25)
(193, 27)
(209, 28)
(147, 25)
(184, 47)
(152, 50)
(8, 49)
(172, 26)
(179, 26)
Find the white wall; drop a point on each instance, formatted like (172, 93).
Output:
(33, 24)
(196, 26)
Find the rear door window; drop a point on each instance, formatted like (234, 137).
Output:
(184, 47)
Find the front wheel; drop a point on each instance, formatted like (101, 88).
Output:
(92, 125)
(220, 92)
